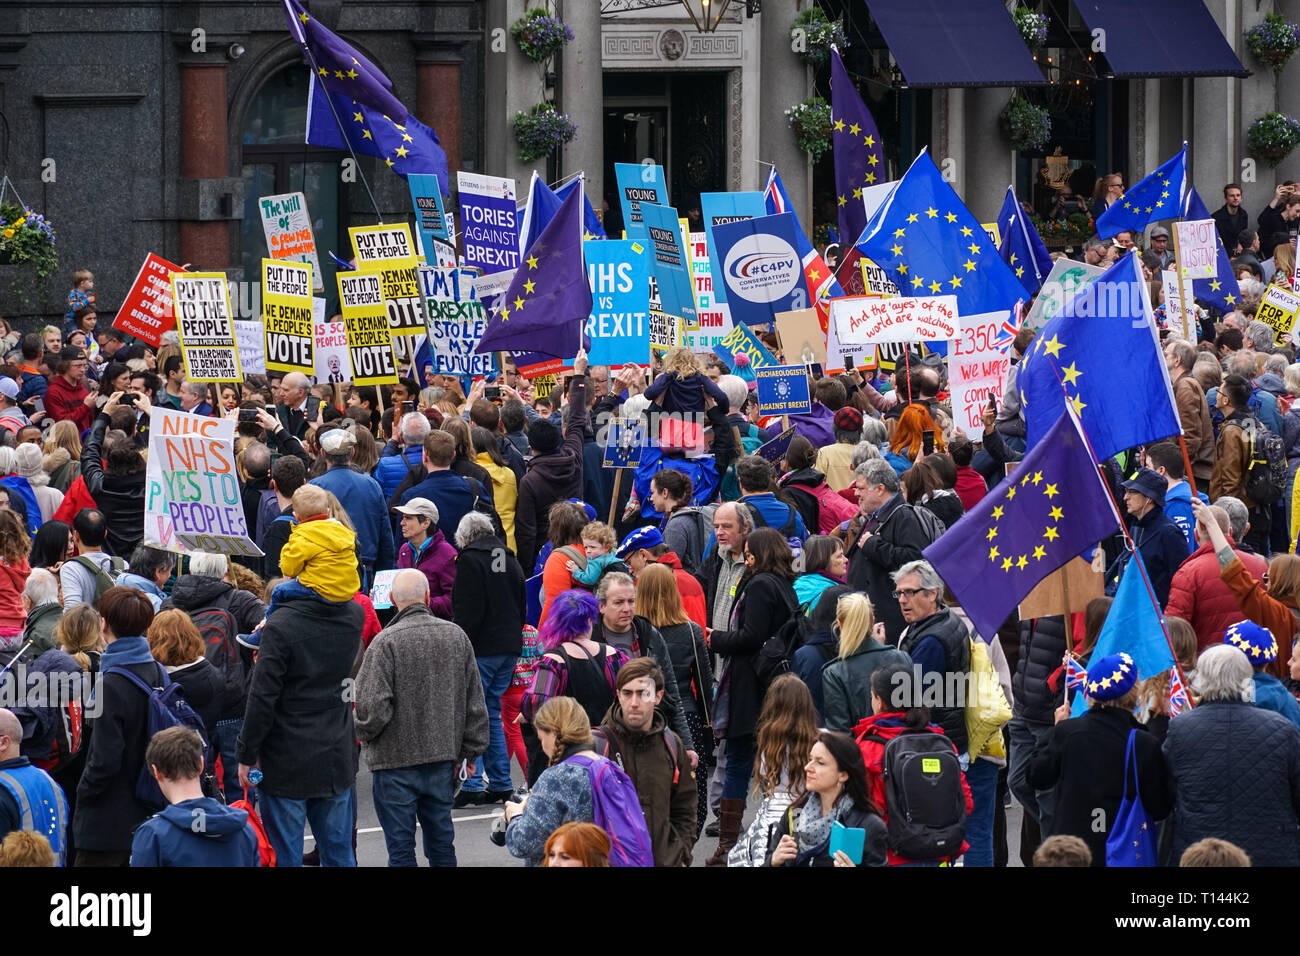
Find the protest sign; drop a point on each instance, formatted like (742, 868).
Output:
(287, 226)
(1278, 308)
(665, 332)
(625, 438)
(389, 251)
(783, 390)
(668, 262)
(801, 336)
(638, 183)
(875, 281)
(712, 318)
(251, 345)
(1198, 248)
(761, 267)
(430, 220)
(456, 321)
(192, 496)
(740, 340)
(1183, 318)
(287, 317)
(978, 370)
(488, 221)
(147, 309)
(863, 319)
(382, 245)
(775, 449)
(993, 232)
(618, 271)
(370, 343)
(719, 209)
(332, 365)
(381, 592)
(1062, 284)
(890, 355)
(204, 322)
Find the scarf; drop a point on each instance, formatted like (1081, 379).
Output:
(813, 830)
(124, 651)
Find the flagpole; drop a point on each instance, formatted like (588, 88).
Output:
(315, 69)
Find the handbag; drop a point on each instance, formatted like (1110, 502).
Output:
(1132, 837)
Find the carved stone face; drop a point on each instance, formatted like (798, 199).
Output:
(672, 44)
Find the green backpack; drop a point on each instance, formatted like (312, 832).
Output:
(103, 579)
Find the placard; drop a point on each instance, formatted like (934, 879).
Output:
(287, 318)
(205, 325)
(761, 268)
(863, 319)
(382, 246)
(775, 449)
(875, 281)
(669, 261)
(741, 339)
(192, 496)
(638, 183)
(1064, 282)
(618, 271)
(1198, 248)
(801, 336)
(287, 226)
(665, 332)
(381, 592)
(147, 310)
(430, 220)
(1278, 308)
(712, 318)
(370, 343)
(252, 346)
(993, 232)
(332, 364)
(978, 370)
(1183, 319)
(625, 439)
(719, 209)
(783, 390)
(456, 321)
(489, 222)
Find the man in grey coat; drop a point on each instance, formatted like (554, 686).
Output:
(419, 713)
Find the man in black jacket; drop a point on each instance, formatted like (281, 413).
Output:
(489, 604)
(1036, 689)
(118, 489)
(1230, 219)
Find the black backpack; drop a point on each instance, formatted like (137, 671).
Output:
(774, 657)
(925, 801)
(810, 509)
(1266, 477)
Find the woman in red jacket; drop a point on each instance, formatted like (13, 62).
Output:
(14, 545)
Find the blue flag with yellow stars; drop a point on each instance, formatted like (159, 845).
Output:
(405, 147)
(1158, 196)
(1102, 354)
(592, 228)
(1022, 249)
(858, 153)
(1050, 508)
(1134, 626)
(548, 303)
(1222, 291)
(929, 243)
(340, 67)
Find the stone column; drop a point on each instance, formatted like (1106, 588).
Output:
(582, 83)
(1286, 94)
(1215, 135)
(782, 83)
(512, 83)
(204, 157)
(989, 165)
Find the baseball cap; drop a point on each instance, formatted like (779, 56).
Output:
(421, 507)
(337, 441)
(8, 387)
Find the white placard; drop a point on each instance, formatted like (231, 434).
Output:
(978, 370)
(863, 320)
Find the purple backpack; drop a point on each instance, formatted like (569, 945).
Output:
(618, 812)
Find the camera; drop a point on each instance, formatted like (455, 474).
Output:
(248, 414)
(492, 393)
(128, 398)
(497, 832)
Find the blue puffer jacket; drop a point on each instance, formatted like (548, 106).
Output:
(1271, 694)
(393, 468)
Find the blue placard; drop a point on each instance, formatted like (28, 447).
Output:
(717, 209)
(668, 261)
(489, 221)
(426, 197)
(783, 390)
(775, 450)
(625, 439)
(638, 183)
(740, 340)
(619, 273)
(761, 268)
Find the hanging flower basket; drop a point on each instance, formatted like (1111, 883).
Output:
(812, 35)
(811, 121)
(540, 35)
(1032, 27)
(1273, 136)
(1274, 41)
(27, 240)
(541, 131)
(1026, 126)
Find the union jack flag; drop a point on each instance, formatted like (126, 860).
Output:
(1010, 326)
(1076, 675)
(1177, 693)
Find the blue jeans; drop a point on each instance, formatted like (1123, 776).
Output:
(331, 821)
(740, 767)
(1039, 804)
(495, 673)
(423, 792)
(225, 736)
(983, 780)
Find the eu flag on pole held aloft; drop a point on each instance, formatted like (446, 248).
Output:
(1102, 354)
(1049, 509)
(858, 153)
(548, 303)
(1022, 249)
(1158, 196)
(340, 67)
(1222, 291)
(405, 147)
(929, 243)
(591, 224)
(540, 209)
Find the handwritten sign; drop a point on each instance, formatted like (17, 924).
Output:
(287, 226)
(381, 593)
(370, 343)
(1278, 308)
(147, 310)
(979, 369)
(192, 496)
(783, 390)
(1064, 282)
(456, 321)
(252, 346)
(1183, 318)
(864, 319)
(287, 317)
(665, 333)
(1198, 248)
(206, 327)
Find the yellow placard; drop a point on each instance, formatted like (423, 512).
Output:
(390, 251)
(287, 317)
(995, 234)
(206, 327)
(388, 243)
(370, 343)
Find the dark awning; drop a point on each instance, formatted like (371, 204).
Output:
(1160, 38)
(962, 43)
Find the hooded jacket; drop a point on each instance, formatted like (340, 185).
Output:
(898, 537)
(119, 497)
(551, 478)
(971, 487)
(64, 401)
(1163, 548)
(322, 555)
(366, 505)
(487, 600)
(846, 683)
(170, 838)
(1178, 509)
(689, 588)
(648, 642)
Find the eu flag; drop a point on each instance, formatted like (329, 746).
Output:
(540, 209)
(929, 243)
(340, 67)
(858, 154)
(405, 147)
(548, 303)
(1158, 196)
(1050, 508)
(1222, 292)
(1022, 249)
(591, 224)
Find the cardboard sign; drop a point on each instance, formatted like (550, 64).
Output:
(287, 226)
(403, 300)
(206, 328)
(252, 346)
(761, 268)
(978, 370)
(192, 495)
(147, 309)
(1278, 308)
(381, 592)
(775, 449)
(864, 319)
(618, 271)
(639, 183)
(1198, 248)
(1062, 284)
(1182, 318)
(801, 336)
(875, 281)
(783, 390)
(669, 261)
(456, 321)
(382, 245)
(741, 339)
(430, 220)
(625, 439)
(665, 333)
(489, 221)
(332, 364)
(712, 318)
(287, 317)
(994, 233)
(370, 343)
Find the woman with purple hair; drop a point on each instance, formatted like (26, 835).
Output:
(573, 665)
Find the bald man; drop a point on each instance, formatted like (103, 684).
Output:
(294, 409)
(29, 797)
